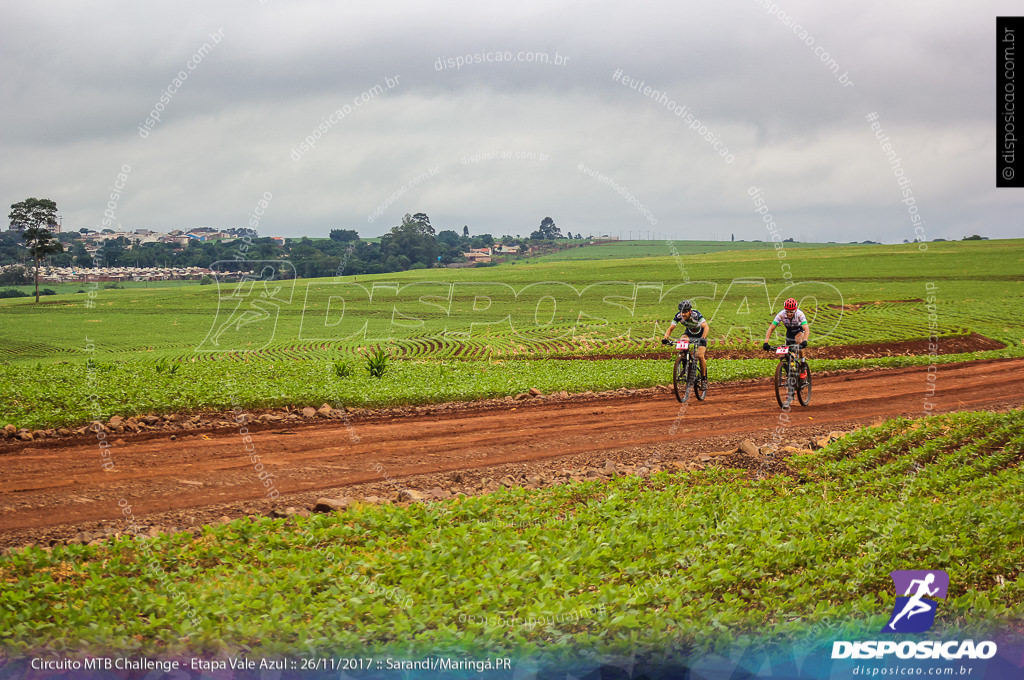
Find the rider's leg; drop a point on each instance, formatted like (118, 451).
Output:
(703, 361)
(801, 365)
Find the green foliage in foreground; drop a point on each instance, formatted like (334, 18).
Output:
(698, 561)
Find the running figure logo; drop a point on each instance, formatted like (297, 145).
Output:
(914, 611)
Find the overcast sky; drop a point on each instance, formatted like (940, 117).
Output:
(499, 145)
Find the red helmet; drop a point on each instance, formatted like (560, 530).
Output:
(791, 303)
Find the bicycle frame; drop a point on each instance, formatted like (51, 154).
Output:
(684, 346)
(686, 353)
(792, 361)
(786, 353)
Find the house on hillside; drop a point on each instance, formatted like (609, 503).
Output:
(478, 255)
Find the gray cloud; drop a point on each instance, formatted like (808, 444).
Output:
(78, 80)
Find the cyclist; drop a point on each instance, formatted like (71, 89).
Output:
(795, 322)
(696, 327)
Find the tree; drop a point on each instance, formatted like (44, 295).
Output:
(344, 235)
(113, 249)
(448, 238)
(465, 231)
(15, 276)
(34, 217)
(449, 246)
(33, 212)
(424, 222)
(11, 249)
(412, 240)
(82, 256)
(40, 244)
(547, 230)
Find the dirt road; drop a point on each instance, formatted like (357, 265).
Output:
(51, 484)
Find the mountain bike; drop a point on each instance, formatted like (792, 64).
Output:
(792, 376)
(685, 373)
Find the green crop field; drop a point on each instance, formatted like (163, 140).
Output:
(470, 333)
(617, 250)
(698, 562)
(81, 288)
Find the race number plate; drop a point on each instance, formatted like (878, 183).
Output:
(781, 350)
(683, 344)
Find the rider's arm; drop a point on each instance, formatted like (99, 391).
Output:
(805, 332)
(707, 329)
(771, 329)
(671, 327)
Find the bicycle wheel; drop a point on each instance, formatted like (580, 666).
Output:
(803, 386)
(679, 375)
(698, 390)
(783, 387)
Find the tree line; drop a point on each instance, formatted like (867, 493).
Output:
(413, 244)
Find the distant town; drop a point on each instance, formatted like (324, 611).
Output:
(142, 254)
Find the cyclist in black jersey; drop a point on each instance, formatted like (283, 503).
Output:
(696, 327)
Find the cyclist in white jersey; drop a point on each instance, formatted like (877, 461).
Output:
(795, 322)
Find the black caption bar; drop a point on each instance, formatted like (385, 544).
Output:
(1009, 31)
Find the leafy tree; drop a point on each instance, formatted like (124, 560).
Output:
(40, 244)
(465, 231)
(397, 263)
(448, 238)
(81, 255)
(12, 250)
(344, 235)
(33, 212)
(15, 276)
(424, 222)
(111, 252)
(34, 217)
(62, 259)
(450, 246)
(547, 230)
(412, 240)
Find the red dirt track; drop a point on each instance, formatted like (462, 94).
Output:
(60, 483)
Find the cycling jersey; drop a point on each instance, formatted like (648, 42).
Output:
(794, 325)
(692, 325)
